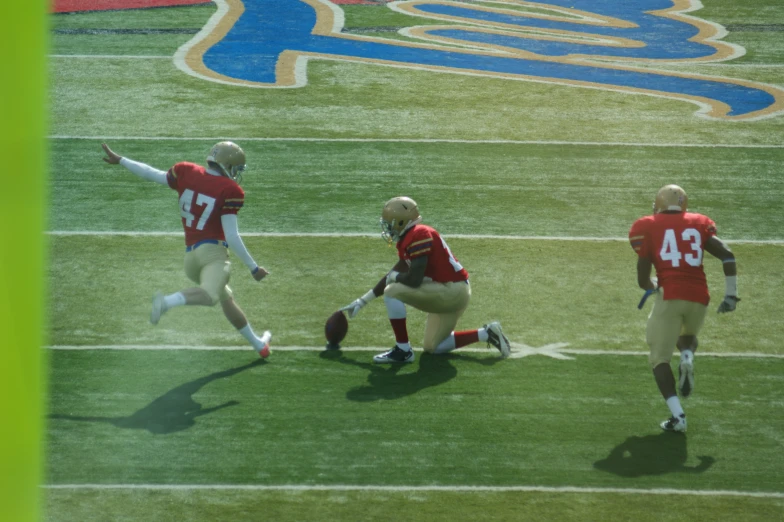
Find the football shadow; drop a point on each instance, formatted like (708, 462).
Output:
(173, 411)
(651, 455)
(385, 382)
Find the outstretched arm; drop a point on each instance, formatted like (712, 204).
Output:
(140, 169)
(232, 234)
(377, 291)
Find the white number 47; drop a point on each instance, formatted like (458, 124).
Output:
(669, 250)
(186, 202)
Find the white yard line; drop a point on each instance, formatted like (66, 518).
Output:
(246, 348)
(413, 488)
(424, 140)
(110, 233)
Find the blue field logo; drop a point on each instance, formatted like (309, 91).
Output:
(598, 44)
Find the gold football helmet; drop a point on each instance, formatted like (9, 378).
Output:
(229, 157)
(670, 197)
(399, 215)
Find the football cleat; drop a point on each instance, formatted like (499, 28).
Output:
(398, 215)
(677, 424)
(265, 341)
(686, 375)
(158, 308)
(395, 355)
(670, 198)
(496, 337)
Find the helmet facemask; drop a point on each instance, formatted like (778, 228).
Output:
(399, 215)
(230, 158)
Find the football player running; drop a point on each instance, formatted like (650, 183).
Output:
(673, 241)
(429, 278)
(209, 200)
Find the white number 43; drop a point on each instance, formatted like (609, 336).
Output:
(669, 250)
(186, 202)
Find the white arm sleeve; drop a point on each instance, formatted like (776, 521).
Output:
(144, 171)
(232, 233)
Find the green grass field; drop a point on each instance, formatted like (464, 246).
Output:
(533, 185)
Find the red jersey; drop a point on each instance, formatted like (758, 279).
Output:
(204, 198)
(674, 243)
(422, 240)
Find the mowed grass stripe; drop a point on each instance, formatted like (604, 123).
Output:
(206, 505)
(462, 419)
(485, 190)
(423, 140)
(161, 233)
(543, 292)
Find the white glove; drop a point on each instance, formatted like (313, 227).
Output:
(358, 304)
(392, 277)
(354, 308)
(728, 304)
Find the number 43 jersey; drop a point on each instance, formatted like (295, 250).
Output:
(674, 243)
(204, 198)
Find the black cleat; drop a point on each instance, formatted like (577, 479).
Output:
(395, 355)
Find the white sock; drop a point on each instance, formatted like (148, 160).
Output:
(172, 300)
(687, 355)
(404, 346)
(483, 337)
(675, 406)
(247, 333)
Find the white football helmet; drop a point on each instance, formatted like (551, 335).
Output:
(670, 198)
(229, 157)
(399, 214)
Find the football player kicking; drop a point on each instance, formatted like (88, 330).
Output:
(429, 278)
(209, 199)
(673, 241)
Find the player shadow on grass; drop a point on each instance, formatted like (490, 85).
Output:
(386, 383)
(173, 411)
(651, 455)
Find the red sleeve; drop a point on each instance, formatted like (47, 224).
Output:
(710, 228)
(233, 199)
(172, 176)
(421, 244)
(637, 237)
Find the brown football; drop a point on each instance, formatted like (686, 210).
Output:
(336, 327)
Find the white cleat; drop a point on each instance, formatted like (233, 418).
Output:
(686, 375)
(158, 308)
(265, 341)
(676, 424)
(496, 337)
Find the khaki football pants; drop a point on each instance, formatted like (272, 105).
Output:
(444, 304)
(208, 266)
(669, 320)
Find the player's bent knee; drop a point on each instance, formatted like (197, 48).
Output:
(656, 360)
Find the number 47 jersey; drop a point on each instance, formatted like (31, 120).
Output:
(204, 198)
(674, 243)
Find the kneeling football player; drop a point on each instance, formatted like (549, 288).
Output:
(434, 282)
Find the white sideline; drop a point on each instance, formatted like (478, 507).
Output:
(426, 140)
(246, 348)
(404, 489)
(376, 235)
